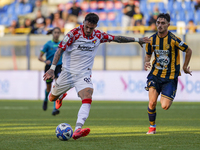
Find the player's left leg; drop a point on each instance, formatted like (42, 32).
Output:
(168, 93)
(86, 97)
(84, 88)
(165, 102)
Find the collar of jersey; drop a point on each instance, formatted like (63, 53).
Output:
(164, 36)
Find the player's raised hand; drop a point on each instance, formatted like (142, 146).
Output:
(49, 75)
(187, 70)
(147, 65)
(144, 40)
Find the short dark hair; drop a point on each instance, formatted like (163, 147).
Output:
(163, 15)
(51, 30)
(92, 18)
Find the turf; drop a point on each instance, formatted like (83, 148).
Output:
(114, 126)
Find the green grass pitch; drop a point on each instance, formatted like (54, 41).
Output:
(114, 126)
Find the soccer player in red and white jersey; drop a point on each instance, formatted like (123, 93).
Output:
(79, 48)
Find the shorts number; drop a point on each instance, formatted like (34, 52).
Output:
(88, 80)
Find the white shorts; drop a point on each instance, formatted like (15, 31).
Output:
(67, 80)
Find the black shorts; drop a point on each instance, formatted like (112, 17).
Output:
(56, 72)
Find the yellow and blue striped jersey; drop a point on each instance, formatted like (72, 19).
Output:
(167, 57)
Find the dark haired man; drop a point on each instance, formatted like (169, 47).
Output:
(79, 48)
(163, 77)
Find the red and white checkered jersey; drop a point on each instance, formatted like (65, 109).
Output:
(80, 50)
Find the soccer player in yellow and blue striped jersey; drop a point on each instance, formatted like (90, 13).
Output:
(163, 77)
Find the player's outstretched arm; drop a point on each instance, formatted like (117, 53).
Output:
(124, 39)
(50, 73)
(188, 55)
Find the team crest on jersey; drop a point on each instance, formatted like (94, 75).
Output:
(94, 41)
(167, 46)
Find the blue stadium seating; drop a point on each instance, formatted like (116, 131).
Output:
(173, 18)
(174, 7)
(197, 17)
(161, 7)
(19, 9)
(188, 5)
(189, 16)
(151, 7)
(170, 6)
(143, 6)
(178, 6)
(180, 16)
(11, 9)
(27, 8)
(5, 20)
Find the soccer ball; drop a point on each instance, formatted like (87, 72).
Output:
(64, 131)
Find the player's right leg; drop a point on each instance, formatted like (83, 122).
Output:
(153, 95)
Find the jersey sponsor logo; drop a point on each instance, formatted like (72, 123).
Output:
(181, 43)
(85, 48)
(155, 45)
(161, 52)
(162, 59)
(80, 41)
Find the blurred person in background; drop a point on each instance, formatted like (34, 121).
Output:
(27, 23)
(128, 12)
(138, 18)
(58, 21)
(197, 5)
(163, 77)
(152, 28)
(153, 17)
(12, 27)
(48, 24)
(79, 48)
(49, 49)
(73, 13)
(40, 7)
(191, 28)
(38, 24)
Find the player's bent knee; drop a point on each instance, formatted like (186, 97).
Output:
(165, 107)
(87, 101)
(52, 97)
(152, 105)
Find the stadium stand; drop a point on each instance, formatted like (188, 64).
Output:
(110, 12)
